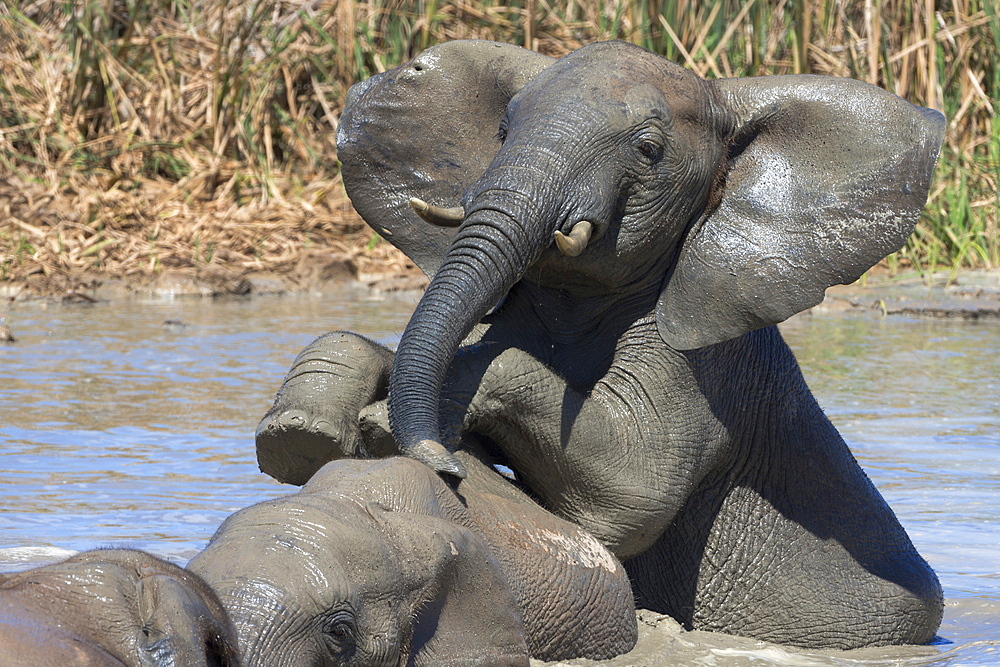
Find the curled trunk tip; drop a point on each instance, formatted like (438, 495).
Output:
(435, 455)
(491, 250)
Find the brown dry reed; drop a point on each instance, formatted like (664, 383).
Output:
(142, 134)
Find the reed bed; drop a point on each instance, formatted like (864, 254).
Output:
(137, 135)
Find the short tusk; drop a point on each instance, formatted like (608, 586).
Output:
(441, 217)
(576, 242)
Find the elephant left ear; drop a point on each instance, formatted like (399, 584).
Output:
(428, 129)
(824, 178)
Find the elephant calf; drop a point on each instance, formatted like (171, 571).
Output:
(381, 563)
(113, 607)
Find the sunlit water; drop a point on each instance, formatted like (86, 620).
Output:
(116, 428)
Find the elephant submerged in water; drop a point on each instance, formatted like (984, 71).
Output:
(381, 563)
(113, 607)
(611, 241)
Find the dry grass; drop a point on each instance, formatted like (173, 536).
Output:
(142, 134)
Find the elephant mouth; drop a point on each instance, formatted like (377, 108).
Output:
(571, 242)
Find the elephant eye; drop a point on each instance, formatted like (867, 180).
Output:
(339, 633)
(651, 150)
(502, 132)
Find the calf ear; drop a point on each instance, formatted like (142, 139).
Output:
(573, 593)
(427, 129)
(464, 606)
(180, 617)
(824, 178)
(182, 612)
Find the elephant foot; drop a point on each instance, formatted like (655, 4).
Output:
(314, 418)
(292, 444)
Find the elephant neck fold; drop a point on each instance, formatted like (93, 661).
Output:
(570, 318)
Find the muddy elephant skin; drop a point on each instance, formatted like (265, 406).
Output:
(380, 562)
(113, 607)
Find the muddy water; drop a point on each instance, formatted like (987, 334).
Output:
(118, 428)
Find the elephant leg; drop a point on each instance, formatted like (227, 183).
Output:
(744, 560)
(569, 447)
(314, 418)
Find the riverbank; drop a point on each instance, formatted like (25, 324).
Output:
(315, 270)
(135, 237)
(967, 294)
(380, 268)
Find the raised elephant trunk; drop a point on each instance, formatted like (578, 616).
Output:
(491, 251)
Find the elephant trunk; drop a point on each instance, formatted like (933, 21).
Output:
(494, 247)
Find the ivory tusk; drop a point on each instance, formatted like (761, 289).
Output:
(436, 215)
(576, 242)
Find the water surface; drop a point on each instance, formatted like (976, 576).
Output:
(918, 400)
(132, 424)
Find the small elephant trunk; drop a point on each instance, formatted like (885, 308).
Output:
(490, 253)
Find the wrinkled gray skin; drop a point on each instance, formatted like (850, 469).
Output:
(381, 563)
(640, 388)
(112, 607)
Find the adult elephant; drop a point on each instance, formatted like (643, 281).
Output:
(627, 234)
(113, 607)
(382, 563)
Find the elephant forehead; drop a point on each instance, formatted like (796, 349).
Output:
(398, 483)
(645, 101)
(127, 567)
(615, 83)
(333, 548)
(87, 579)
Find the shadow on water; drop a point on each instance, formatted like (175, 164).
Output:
(132, 424)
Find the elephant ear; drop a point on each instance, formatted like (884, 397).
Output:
(573, 593)
(427, 129)
(825, 177)
(464, 606)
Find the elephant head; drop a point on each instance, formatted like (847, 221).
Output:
(614, 175)
(113, 607)
(379, 563)
(309, 580)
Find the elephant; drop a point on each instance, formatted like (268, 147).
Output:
(113, 607)
(611, 242)
(380, 562)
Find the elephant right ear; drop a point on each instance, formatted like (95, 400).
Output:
(824, 178)
(427, 129)
(464, 605)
